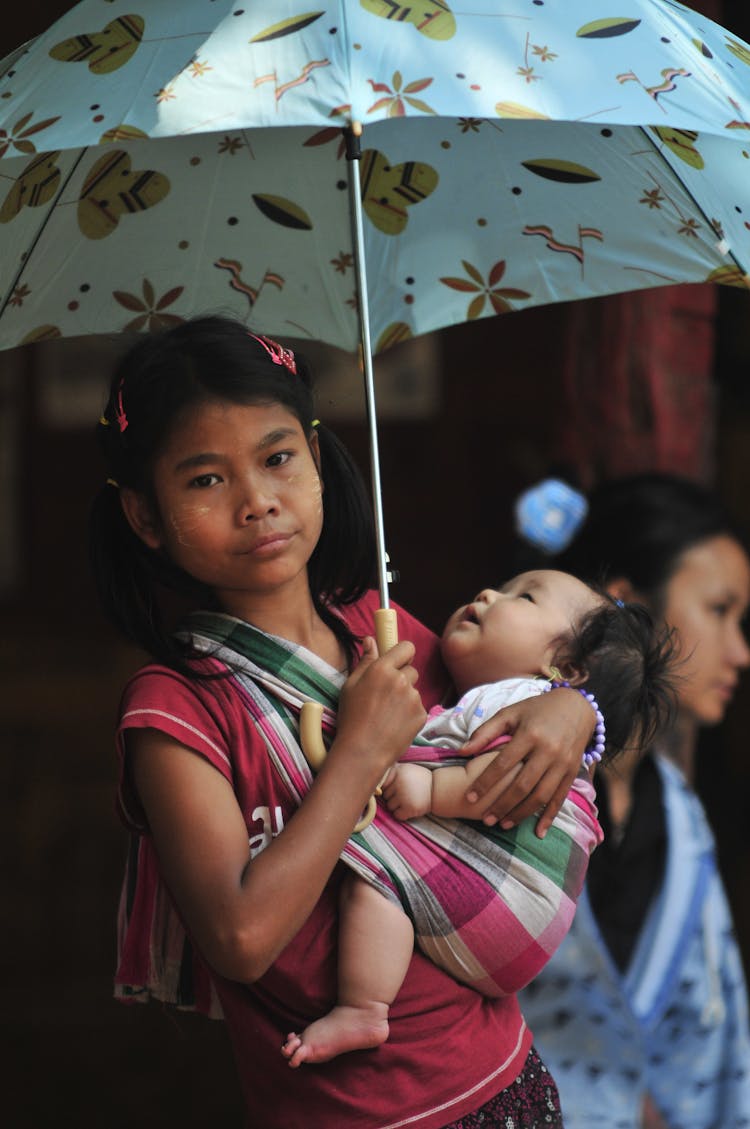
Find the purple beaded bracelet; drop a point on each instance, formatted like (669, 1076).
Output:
(595, 751)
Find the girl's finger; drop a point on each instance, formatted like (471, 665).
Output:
(401, 655)
(527, 791)
(551, 809)
(366, 659)
(489, 733)
(545, 801)
(369, 651)
(506, 760)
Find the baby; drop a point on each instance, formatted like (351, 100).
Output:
(508, 644)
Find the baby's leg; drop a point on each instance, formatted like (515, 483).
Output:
(376, 941)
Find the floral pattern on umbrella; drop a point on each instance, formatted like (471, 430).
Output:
(169, 150)
(499, 297)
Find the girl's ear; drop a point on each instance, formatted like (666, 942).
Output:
(140, 517)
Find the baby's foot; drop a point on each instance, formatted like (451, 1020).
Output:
(343, 1029)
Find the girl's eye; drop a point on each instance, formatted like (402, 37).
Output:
(720, 610)
(526, 596)
(202, 481)
(279, 458)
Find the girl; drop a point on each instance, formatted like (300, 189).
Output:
(222, 495)
(520, 637)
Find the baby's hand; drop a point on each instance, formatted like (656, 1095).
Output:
(408, 790)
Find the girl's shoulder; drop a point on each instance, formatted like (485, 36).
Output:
(200, 713)
(153, 683)
(205, 716)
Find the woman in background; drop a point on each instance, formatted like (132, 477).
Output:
(642, 1014)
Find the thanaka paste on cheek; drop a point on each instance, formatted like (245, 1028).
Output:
(297, 480)
(317, 492)
(188, 519)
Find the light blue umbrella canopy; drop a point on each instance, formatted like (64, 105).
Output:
(166, 158)
(162, 158)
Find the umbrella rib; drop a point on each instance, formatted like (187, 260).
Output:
(729, 252)
(30, 251)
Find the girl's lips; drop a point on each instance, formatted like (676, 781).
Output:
(267, 545)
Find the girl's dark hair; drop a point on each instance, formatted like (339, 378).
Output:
(638, 529)
(628, 665)
(203, 360)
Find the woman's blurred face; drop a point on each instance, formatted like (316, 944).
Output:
(706, 600)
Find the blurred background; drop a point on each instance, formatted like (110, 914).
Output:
(655, 380)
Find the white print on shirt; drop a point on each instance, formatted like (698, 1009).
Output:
(260, 841)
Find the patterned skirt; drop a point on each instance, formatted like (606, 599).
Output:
(530, 1102)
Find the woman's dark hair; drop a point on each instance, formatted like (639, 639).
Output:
(638, 529)
(203, 360)
(628, 665)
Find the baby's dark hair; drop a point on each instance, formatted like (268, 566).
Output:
(207, 360)
(627, 663)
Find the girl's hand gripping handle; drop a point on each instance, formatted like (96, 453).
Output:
(311, 738)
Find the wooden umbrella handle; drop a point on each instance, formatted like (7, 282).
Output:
(311, 734)
(311, 714)
(386, 629)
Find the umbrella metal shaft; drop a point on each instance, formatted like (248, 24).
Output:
(386, 630)
(352, 136)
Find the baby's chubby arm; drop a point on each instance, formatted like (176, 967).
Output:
(411, 790)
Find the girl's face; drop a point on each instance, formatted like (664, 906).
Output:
(239, 501)
(516, 630)
(706, 600)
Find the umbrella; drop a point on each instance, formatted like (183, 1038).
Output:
(162, 158)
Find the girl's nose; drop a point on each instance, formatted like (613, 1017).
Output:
(486, 596)
(740, 650)
(255, 503)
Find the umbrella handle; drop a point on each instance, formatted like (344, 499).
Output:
(386, 629)
(311, 714)
(311, 734)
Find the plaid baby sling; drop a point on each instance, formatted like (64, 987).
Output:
(488, 906)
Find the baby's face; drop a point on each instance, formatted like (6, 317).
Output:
(514, 631)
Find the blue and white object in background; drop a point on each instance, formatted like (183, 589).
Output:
(549, 514)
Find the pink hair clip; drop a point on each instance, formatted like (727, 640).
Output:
(120, 416)
(278, 354)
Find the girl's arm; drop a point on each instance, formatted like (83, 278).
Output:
(549, 734)
(242, 913)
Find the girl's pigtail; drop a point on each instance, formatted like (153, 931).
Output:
(122, 577)
(342, 567)
(343, 564)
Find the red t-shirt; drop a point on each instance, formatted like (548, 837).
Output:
(449, 1049)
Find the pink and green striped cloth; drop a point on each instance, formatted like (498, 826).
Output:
(488, 906)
